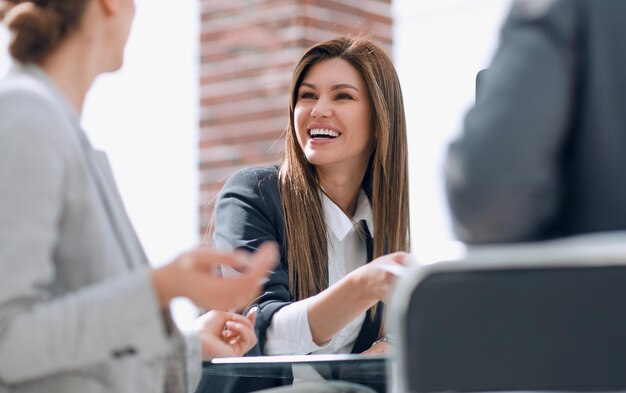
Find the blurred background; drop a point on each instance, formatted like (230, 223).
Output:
(204, 91)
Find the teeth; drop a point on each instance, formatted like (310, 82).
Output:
(323, 131)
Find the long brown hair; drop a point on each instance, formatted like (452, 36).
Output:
(386, 178)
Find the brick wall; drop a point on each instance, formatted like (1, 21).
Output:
(247, 52)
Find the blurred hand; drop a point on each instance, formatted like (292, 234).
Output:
(193, 275)
(225, 334)
(376, 282)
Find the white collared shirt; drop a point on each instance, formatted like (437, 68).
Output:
(289, 333)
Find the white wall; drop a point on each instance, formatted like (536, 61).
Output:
(439, 46)
(4, 57)
(145, 118)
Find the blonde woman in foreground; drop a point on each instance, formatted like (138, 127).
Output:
(337, 206)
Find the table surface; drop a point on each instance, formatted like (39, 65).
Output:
(362, 369)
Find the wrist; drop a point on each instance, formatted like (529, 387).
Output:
(361, 292)
(163, 285)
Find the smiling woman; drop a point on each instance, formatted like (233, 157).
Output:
(338, 205)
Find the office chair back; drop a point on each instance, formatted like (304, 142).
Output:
(549, 316)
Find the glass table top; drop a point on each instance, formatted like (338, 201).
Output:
(362, 369)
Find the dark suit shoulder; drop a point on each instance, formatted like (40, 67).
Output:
(259, 181)
(248, 209)
(558, 20)
(257, 185)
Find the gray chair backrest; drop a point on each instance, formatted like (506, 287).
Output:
(480, 80)
(546, 316)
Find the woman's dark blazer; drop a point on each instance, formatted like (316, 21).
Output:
(247, 213)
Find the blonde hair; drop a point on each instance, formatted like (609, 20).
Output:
(386, 177)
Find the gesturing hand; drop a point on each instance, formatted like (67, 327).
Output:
(193, 275)
(375, 281)
(225, 334)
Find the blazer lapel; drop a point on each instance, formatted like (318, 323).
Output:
(102, 175)
(111, 200)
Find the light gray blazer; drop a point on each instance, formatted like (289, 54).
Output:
(78, 312)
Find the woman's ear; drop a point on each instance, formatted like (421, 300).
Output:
(109, 6)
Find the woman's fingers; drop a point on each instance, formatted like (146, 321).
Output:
(194, 275)
(397, 257)
(264, 259)
(243, 334)
(208, 258)
(244, 320)
(252, 315)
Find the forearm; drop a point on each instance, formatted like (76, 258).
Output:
(333, 309)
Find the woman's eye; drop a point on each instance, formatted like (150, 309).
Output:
(307, 94)
(344, 96)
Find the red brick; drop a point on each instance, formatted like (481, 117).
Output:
(247, 52)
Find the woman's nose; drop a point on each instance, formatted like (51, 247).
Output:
(321, 109)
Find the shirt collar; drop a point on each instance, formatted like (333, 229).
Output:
(339, 223)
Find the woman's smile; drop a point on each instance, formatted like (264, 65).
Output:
(320, 134)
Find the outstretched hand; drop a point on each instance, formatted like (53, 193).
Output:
(375, 280)
(194, 275)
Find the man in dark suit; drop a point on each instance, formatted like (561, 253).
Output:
(543, 152)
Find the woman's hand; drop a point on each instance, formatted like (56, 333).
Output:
(379, 348)
(332, 309)
(225, 334)
(374, 280)
(194, 275)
